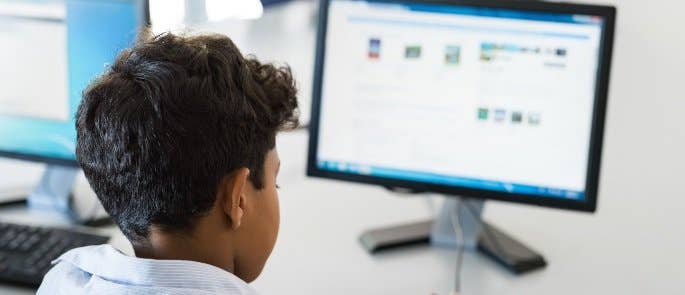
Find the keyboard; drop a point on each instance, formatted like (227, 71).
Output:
(26, 251)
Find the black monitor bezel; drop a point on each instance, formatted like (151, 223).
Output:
(144, 17)
(589, 204)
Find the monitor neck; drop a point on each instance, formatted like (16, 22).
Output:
(54, 189)
(469, 212)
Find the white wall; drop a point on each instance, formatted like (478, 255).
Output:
(646, 122)
(645, 135)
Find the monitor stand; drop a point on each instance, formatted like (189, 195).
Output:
(477, 234)
(54, 189)
(59, 190)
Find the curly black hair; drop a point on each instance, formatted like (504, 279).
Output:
(169, 119)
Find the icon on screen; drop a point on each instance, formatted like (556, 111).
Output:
(342, 167)
(534, 119)
(365, 170)
(561, 51)
(487, 51)
(500, 115)
(483, 114)
(412, 52)
(452, 54)
(516, 117)
(374, 48)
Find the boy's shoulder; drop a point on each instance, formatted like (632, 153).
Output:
(63, 278)
(104, 270)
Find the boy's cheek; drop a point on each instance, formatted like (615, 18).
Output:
(276, 216)
(278, 211)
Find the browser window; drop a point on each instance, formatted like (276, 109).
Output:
(484, 98)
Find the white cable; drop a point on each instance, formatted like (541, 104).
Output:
(458, 230)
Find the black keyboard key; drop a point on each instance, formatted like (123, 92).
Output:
(26, 252)
(25, 246)
(13, 245)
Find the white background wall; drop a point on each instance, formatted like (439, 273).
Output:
(646, 125)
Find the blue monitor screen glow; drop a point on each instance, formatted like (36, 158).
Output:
(480, 98)
(53, 60)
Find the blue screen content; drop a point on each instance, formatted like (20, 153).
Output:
(484, 98)
(58, 58)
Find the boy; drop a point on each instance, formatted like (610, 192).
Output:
(177, 140)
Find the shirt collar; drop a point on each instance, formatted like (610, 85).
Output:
(108, 263)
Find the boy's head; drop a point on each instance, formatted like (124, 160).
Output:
(177, 139)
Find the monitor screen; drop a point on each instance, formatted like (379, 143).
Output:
(50, 51)
(484, 98)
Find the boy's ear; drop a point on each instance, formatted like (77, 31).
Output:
(233, 204)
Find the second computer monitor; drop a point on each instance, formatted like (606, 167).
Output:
(493, 99)
(50, 52)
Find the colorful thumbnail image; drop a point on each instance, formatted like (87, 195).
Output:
(483, 114)
(489, 50)
(374, 48)
(412, 51)
(452, 54)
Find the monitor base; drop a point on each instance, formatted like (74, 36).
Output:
(61, 189)
(478, 234)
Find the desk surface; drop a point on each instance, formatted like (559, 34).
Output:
(633, 245)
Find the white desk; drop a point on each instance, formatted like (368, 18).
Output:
(633, 245)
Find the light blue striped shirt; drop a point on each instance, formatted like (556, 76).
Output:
(104, 270)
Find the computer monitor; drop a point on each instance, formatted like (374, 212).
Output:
(484, 99)
(51, 51)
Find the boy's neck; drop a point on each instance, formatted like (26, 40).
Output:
(176, 246)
